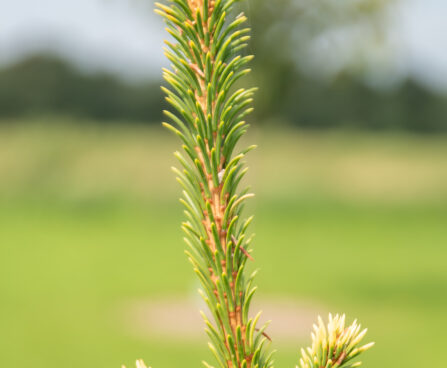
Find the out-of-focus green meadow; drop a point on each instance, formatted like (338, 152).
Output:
(89, 219)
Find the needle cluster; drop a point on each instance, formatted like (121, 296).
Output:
(334, 346)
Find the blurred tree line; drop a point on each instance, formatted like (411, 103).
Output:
(45, 84)
(314, 63)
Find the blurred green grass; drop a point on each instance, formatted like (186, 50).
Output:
(90, 220)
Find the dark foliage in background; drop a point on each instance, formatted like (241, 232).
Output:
(44, 85)
(282, 30)
(347, 102)
(47, 85)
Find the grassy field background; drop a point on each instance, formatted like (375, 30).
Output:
(89, 218)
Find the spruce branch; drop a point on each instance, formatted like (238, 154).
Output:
(209, 117)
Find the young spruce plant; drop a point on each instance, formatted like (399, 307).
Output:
(209, 119)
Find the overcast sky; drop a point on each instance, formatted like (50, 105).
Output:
(124, 37)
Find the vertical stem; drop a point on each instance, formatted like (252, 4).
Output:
(205, 66)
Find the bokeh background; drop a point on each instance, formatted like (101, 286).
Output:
(350, 177)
